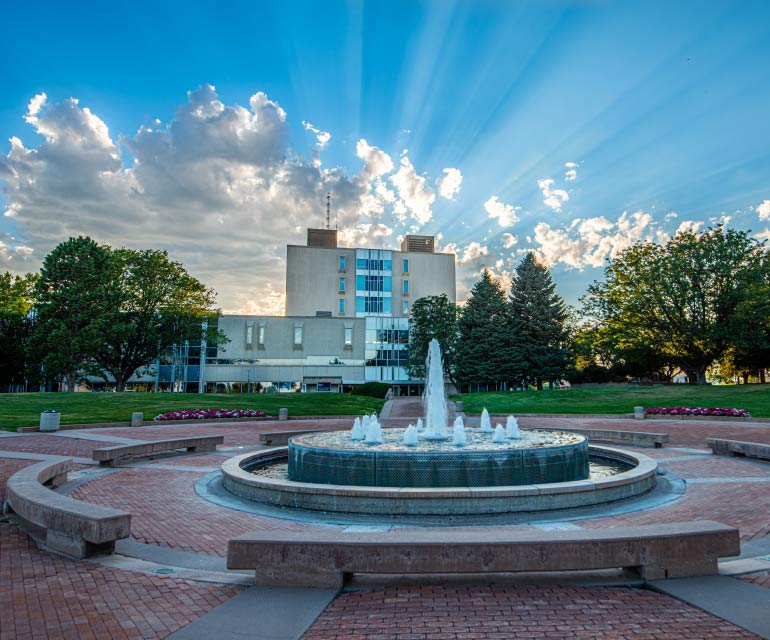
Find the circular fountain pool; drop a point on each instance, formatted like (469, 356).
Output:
(537, 456)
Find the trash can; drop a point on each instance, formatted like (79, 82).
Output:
(639, 413)
(283, 414)
(137, 419)
(49, 420)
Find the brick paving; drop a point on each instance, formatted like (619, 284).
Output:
(166, 511)
(53, 445)
(761, 579)
(9, 466)
(43, 595)
(484, 613)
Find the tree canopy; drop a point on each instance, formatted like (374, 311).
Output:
(689, 301)
(16, 299)
(432, 317)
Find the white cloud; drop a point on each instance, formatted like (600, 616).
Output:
(509, 240)
(553, 198)
(449, 185)
(413, 191)
(504, 213)
(322, 137)
(670, 216)
(590, 242)
(570, 175)
(764, 210)
(376, 161)
(688, 226)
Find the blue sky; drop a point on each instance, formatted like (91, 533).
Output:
(568, 128)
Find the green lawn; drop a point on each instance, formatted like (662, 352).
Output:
(754, 398)
(23, 409)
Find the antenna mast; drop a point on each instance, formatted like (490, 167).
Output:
(328, 208)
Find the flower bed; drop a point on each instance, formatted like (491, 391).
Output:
(697, 411)
(210, 414)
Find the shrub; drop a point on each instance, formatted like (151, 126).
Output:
(698, 411)
(208, 414)
(371, 389)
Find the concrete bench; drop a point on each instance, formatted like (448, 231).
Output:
(633, 438)
(79, 529)
(109, 456)
(722, 447)
(320, 558)
(281, 438)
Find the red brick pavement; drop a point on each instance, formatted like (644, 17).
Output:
(43, 595)
(166, 511)
(718, 467)
(761, 579)
(52, 445)
(192, 460)
(484, 613)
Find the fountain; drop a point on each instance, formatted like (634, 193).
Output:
(423, 470)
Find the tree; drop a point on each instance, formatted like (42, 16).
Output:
(16, 299)
(484, 346)
(432, 317)
(160, 303)
(539, 330)
(689, 300)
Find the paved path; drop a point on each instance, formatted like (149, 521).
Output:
(176, 530)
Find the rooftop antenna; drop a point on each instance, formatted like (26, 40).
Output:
(328, 208)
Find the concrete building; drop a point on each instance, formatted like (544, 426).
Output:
(346, 322)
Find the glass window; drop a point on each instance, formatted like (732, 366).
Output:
(406, 266)
(386, 265)
(360, 304)
(249, 334)
(342, 263)
(387, 283)
(406, 286)
(261, 335)
(405, 308)
(362, 263)
(387, 305)
(348, 335)
(297, 335)
(342, 284)
(342, 305)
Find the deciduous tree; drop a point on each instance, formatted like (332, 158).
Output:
(432, 317)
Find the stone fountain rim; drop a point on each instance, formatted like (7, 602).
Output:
(435, 501)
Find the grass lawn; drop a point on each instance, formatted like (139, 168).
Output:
(23, 409)
(754, 398)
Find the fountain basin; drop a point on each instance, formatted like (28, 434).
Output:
(460, 500)
(539, 456)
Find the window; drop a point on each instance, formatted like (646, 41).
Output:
(406, 266)
(342, 284)
(297, 336)
(406, 287)
(348, 336)
(249, 334)
(342, 263)
(342, 305)
(405, 308)
(261, 335)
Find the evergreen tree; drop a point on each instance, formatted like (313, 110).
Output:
(483, 348)
(432, 317)
(538, 322)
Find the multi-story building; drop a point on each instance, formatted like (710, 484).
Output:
(346, 322)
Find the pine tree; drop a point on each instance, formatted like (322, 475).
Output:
(483, 335)
(538, 322)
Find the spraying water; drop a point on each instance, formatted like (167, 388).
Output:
(486, 423)
(458, 433)
(512, 428)
(499, 436)
(410, 436)
(434, 399)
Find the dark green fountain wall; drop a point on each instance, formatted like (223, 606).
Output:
(453, 468)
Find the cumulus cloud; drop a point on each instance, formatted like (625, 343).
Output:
(449, 185)
(215, 186)
(688, 226)
(763, 210)
(590, 242)
(504, 213)
(322, 137)
(553, 198)
(413, 190)
(509, 240)
(570, 175)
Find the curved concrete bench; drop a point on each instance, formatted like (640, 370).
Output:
(79, 529)
(722, 447)
(109, 456)
(277, 438)
(321, 558)
(632, 438)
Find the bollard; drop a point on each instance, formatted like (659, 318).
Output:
(283, 414)
(639, 413)
(137, 419)
(49, 420)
